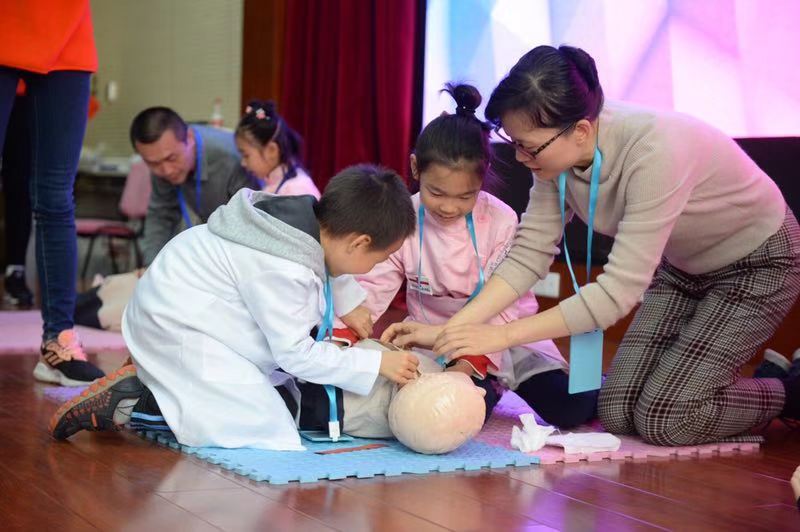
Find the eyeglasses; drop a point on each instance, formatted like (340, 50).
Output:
(530, 153)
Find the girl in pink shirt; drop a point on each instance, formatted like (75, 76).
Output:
(463, 233)
(270, 151)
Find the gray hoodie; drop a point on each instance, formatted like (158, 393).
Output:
(282, 226)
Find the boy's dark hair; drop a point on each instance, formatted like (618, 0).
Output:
(555, 87)
(457, 139)
(261, 123)
(367, 199)
(148, 126)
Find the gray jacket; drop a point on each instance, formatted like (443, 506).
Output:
(282, 226)
(221, 177)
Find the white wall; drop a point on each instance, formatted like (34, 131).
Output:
(178, 53)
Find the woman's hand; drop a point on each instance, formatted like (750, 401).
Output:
(458, 340)
(411, 333)
(359, 320)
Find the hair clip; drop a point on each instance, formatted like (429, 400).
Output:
(465, 111)
(248, 110)
(261, 114)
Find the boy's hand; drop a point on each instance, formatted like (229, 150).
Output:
(399, 366)
(359, 320)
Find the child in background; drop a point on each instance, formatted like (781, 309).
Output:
(270, 150)
(226, 305)
(463, 233)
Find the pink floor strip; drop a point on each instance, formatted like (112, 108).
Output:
(21, 334)
(497, 431)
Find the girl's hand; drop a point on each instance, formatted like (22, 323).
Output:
(459, 340)
(360, 320)
(411, 333)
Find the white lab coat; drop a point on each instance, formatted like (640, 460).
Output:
(210, 322)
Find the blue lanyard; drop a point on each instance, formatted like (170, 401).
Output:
(471, 229)
(325, 330)
(594, 186)
(481, 276)
(198, 172)
(283, 182)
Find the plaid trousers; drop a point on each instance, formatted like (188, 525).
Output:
(675, 379)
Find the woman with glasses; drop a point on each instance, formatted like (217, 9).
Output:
(702, 237)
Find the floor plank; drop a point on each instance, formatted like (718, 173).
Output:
(120, 481)
(446, 507)
(343, 508)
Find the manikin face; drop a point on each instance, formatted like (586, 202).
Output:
(259, 160)
(168, 157)
(564, 152)
(353, 254)
(448, 194)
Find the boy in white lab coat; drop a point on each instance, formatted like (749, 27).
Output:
(224, 312)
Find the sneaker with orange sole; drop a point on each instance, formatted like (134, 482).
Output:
(64, 362)
(105, 405)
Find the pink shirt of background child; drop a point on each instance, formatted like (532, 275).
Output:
(299, 185)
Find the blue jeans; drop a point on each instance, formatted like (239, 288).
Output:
(15, 177)
(58, 104)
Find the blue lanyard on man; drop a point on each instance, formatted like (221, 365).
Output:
(326, 331)
(198, 172)
(481, 275)
(585, 350)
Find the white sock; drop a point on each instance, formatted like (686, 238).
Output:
(122, 414)
(13, 268)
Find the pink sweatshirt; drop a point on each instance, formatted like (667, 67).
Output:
(449, 263)
(299, 185)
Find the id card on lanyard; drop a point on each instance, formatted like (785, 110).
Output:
(585, 350)
(423, 282)
(325, 331)
(198, 172)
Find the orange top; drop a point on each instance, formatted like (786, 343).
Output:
(46, 35)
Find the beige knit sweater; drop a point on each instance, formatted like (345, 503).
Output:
(669, 185)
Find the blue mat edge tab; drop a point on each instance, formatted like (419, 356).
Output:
(426, 463)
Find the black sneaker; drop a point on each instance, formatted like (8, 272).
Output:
(794, 369)
(63, 362)
(790, 414)
(16, 291)
(105, 405)
(774, 366)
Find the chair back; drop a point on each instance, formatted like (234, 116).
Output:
(136, 194)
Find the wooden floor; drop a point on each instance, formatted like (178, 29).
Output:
(119, 481)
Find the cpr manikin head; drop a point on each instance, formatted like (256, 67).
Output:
(437, 412)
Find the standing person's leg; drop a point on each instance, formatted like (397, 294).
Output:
(15, 172)
(696, 394)
(666, 307)
(59, 106)
(9, 78)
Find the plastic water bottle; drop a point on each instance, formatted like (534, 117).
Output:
(216, 114)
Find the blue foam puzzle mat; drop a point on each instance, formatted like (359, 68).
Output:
(282, 467)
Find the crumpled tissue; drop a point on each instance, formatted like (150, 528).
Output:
(533, 437)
